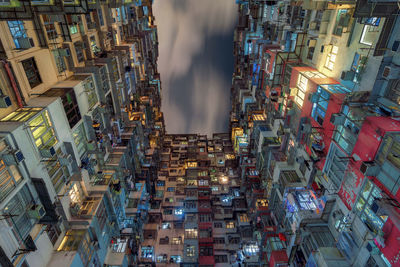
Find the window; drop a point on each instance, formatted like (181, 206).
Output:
(275, 243)
(178, 225)
(230, 225)
(59, 59)
(42, 131)
(219, 240)
(191, 233)
(9, 176)
(369, 34)
(71, 240)
(388, 159)
(178, 212)
(50, 28)
(17, 31)
(190, 251)
(160, 183)
(393, 91)
(167, 211)
(79, 51)
(31, 72)
(162, 258)
(203, 182)
(190, 205)
(217, 225)
(205, 233)
(342, 22)
(320, 106)
(346, 134)
(164, 241)
(301, 90)
(88, 85)
(176, 240)
(366, 204)
(80, 140)
(147, 252)
(171, 189)
(233, 239)
(22, 223)
(331, 58)
(175, 259)
(221, 258)
(205, 217)
(243, 218)
(206, 251)
(100, 15)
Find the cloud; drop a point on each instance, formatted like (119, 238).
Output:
(183, 28)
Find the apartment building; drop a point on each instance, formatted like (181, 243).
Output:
(77, 79)
(314, 110)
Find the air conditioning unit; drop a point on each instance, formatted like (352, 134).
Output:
(337, 119)
(48, 152)
(65, 161)
(347, 75)
(5, 101)
(36, 211)
(13, 157)
(370, 168)
(25, 42)
(391, 72)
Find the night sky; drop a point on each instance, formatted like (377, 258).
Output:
(196, 63)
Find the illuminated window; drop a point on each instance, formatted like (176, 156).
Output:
(301, 90)
(190, 251)
(192, 164)
(178, 211)
(229, 156)
(147, 252)
(71, 240)
(191, 233)
(230, 225)
(191, 182)
(166, 225)
(366, 205)
(251, 249)
(42, 131)
(176, 241)
(331, 58)
(162, 258)
(262, 203)
(214, 188)
(176, 258)
(243, 218)
(203, 182)
(74, 194)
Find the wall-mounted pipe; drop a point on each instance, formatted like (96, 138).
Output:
(14, 86)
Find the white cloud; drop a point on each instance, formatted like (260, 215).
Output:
(183, 26)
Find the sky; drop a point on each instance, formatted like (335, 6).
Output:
(195, 63)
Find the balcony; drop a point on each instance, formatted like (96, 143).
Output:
(84, 209)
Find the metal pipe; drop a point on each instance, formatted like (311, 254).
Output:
(13, 83)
